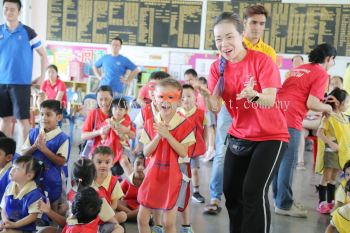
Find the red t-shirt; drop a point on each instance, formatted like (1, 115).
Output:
(302, 81)
(51, 91)
(250, 121)
(130, 192)
(88, 125)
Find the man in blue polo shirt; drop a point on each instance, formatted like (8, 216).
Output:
(17, 42)
(115, 66)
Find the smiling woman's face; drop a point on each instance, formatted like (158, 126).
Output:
(228, 40)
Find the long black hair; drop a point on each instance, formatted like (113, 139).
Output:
(319, 54)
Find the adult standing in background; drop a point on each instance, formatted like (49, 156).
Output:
(254, 21)
(254, 26)
(310, 80)
(115, 66)
(17, 42)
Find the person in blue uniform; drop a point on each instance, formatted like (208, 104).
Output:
(50, 145)
(20, 202)
(7, 150)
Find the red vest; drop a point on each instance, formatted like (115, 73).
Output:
(91, 227)
(107, 194)
(146, 112)
(161, 186)
(199, 148)
(113, 140)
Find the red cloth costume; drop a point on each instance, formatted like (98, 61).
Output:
(91, 227)
(161, 186)
(107, 194)
(113, 140)
(199, 148)
(130, 191)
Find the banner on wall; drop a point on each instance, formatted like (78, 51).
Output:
(74, 63)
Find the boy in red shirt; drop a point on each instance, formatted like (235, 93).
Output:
(167, 138)
(130, 187)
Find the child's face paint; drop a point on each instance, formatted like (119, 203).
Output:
(170, 97)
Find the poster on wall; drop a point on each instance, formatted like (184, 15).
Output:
(74, 63)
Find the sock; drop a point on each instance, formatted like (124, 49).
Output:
(322, 193)
(330, 192)
(196, 189)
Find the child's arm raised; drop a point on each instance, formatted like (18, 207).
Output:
(180, 148)
(330, 229)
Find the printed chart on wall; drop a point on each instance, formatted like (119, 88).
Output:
(158, 23)
(293, 28)
(74, 61)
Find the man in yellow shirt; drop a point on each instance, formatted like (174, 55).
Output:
(254, 26)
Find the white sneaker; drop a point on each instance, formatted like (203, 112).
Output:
(296, 210)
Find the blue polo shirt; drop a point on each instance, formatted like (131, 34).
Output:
(16, 54)
(114, 68)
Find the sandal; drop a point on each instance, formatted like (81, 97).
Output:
(212, 209)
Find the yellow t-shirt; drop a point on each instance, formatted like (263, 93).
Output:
(117, 192)
(261, 47)
(341, 219)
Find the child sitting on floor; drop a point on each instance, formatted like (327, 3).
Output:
(85, 207)
(83, 175)
(7, 150)
(50, 145)
(341, 217)
(107, 184)
(130, 187)
(20, 202)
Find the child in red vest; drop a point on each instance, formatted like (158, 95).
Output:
(121, 130)
(107, 185)
(130, 187)
(167, 137)
(83, 174)
(86, 207)
(197, 116)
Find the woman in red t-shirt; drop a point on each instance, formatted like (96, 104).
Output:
(53, 87)
(303, 90)
(247, 81)
(94, 127)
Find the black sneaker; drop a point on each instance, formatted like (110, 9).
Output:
(197, 197)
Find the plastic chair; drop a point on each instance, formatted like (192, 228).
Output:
(89, 103)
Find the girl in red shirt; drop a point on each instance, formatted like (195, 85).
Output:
(247, 81)
(121, 130)
(94, 128)
(53, 87)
